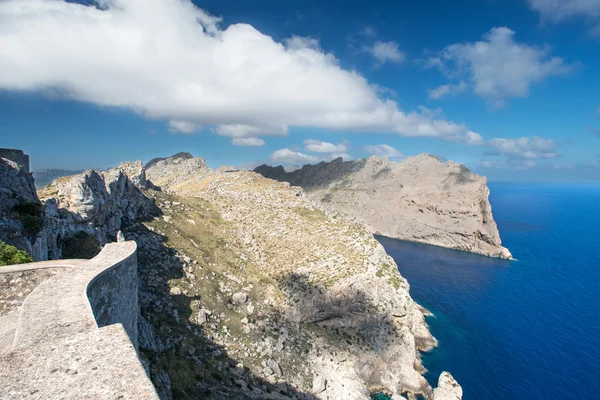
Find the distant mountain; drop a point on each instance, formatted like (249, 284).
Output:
(420, 199)
(44, 177)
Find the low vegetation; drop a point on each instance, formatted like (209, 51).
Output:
(10, 255)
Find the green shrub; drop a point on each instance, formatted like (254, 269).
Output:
(10, 255)
(31, 216)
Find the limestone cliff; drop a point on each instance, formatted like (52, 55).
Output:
(305, 301)
(98, 204)
(420, 199)
(20, 208)
(248, 289)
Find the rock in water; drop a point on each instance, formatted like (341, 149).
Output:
(420, 199)
(448, 388)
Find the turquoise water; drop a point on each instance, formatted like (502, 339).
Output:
(527, 329)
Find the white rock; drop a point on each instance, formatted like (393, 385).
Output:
(448, 388)
(319, 384)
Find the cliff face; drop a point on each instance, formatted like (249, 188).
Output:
(20, 208)
(248, 289)
(419, 199)
(96, 203)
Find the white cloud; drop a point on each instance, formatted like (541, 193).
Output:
(449, 89)
(240, 130)
(497, 67)
(317, 146)
(560, 10)
(490, 164)
(524, 148)
(287, 156)
(383, 150)
(386, 52)
(171, 60)
(247, 141)
(183, 127)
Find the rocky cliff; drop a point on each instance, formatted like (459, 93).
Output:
(96, 204)
(420, 199)
(72, 209)
(307, 303)
(20, 209)
(249, 289)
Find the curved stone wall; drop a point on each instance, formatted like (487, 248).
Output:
(75, 334)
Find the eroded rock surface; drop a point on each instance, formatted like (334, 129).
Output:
(447, 389)
(96, 203)
(248, 288)
(420, 199)
(325, 303)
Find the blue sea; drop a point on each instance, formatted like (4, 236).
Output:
(526, 329)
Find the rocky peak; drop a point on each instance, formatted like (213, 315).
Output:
(170, 171)
(175, 158)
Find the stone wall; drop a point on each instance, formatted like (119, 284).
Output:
(16, 156)
(75, 334)
(113, 296)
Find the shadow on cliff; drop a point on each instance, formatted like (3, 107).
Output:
(327, 173)
(463, 176)
(184, 361)
(347, 321)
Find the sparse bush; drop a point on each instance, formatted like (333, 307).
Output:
(10, 255)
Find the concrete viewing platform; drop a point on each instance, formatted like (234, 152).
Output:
(68, 329)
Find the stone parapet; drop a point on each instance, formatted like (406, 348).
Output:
(75, 334)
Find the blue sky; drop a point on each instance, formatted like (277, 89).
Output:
(509, 88)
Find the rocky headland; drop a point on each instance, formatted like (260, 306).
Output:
(420, 199)
(248, 288)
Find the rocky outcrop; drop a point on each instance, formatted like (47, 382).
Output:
(447, 389)
(170, 171)
(420, 199)
(20, 208)
(96, 203)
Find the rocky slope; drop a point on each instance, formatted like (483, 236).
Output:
(249, 290)
(304, 300)
(420, 199)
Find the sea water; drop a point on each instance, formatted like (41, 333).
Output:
(526, 329)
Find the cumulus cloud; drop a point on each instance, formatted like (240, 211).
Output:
(317, 146)
(524, 148)
(287, 156)
(386, 52)
(449, 89)
(560, 10)
(498, 67)
(171, 60)
(247, 141)
(248, 135)
(383, 150)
